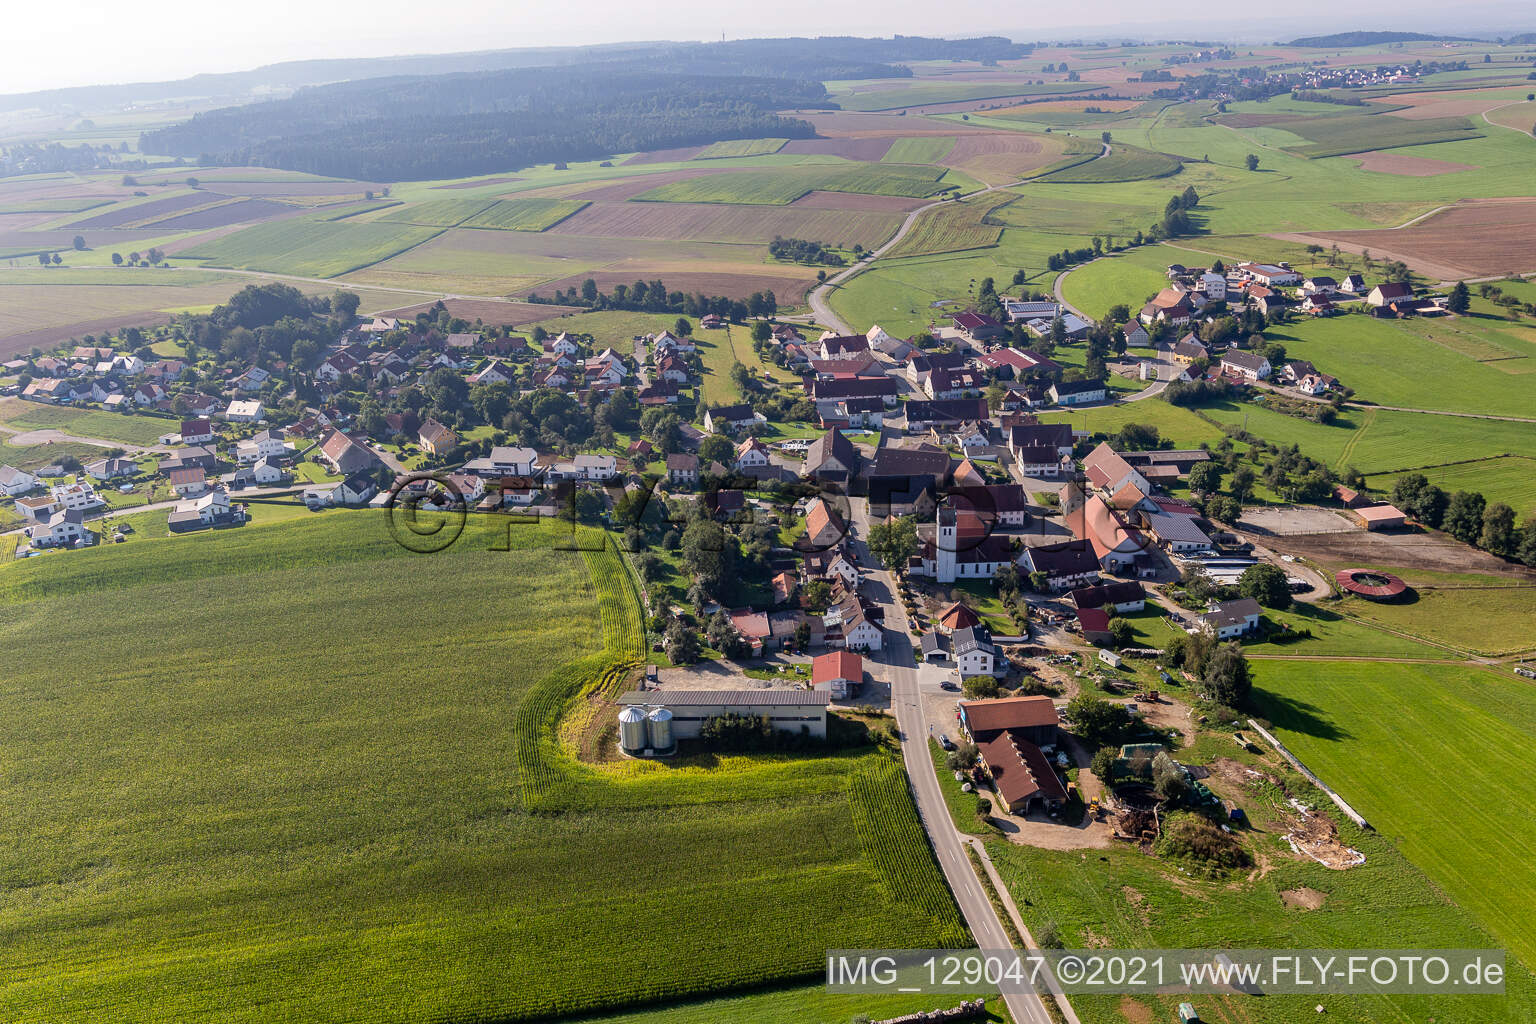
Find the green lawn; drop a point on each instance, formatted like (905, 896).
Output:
(1128, 279)
(316, 828)
(110, 426)
(785, 184)
(1124, 163)
(1432, 756)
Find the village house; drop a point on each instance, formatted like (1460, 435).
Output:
(1020, 311)
(244, 411)
(436, 438)
(752, 455)
(505, 461)
(1120, 597)
(837, 346)
(188, 483)
(1269, 274)
(824, 527)
(196, 431)
(851, 625)
(13, 481)
(1066, 565)
(729, 418)
(493, 372)
(1388, 292)
(1232, 618)
(831, 458)
(78, 496)
(975, 654)
(61, 528)
(205, 512)
(111, 469)
(1077, 392)
(1249, 365)
(346, 456)
(839, 673)
(683, 470)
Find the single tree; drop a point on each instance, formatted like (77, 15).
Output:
(1498, 536)
(117, 259)
(1266, 584)
(1253, 161)
(1205, 478)
(79, 243)
(1464, 516)
(1226, 675)
(1460, 299)
(1121, 632)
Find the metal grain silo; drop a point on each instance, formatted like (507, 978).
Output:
(632, 730)
(660, 726)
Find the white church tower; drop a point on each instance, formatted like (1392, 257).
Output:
(946, 542)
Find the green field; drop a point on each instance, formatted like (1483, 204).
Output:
(786, 184)
(1430, 754)
(311, 248)
(739, 148)
(526, 214)
(1359, 133)
(96, 423)
(920, 149)
(320, 830)
(964, 224)
(1124, 163)
(438, 213)
(1127, 278)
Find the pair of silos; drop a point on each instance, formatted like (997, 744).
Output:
(639, 730)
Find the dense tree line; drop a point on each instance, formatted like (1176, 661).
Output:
(653, 297)
(801, 250)
(1467, 516)
(443, 126)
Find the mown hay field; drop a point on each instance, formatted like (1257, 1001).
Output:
(111, 426)
(315, 775)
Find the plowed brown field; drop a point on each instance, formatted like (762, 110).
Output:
(1475, 238)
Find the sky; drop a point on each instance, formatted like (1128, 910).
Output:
(90, 42)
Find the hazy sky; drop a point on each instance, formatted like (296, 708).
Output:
(83, 42)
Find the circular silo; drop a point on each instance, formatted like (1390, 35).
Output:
(659, 724)
(632, 734)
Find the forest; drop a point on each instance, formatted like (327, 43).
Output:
(446, 126)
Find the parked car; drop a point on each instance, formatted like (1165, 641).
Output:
(946, 742)
(949, 684)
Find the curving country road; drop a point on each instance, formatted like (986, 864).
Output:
(817, 297)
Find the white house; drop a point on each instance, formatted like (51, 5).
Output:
(1213, 285)
(1232, 618)
(79, 496)
(596, 467)
(266, 472)
(264, 445)
(752, 454)
(974, 652)
(63, 527)
(562, 344)
(505, 461)
(244, 412)
(13, 481)
(111, 469)
(1246, 364)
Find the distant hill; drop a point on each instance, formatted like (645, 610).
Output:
(1345, 39)
(822, 58)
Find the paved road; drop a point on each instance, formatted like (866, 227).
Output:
(817, 297)
(901, 668)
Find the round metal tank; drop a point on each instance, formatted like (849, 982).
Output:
(660, 726)
(632, 730)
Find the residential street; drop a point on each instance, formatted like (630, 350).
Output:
(900, 667)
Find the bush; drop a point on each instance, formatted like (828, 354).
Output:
(981, 688)
(1201, 846)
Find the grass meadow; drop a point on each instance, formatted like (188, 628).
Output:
(110, 426)
(1431, 755)
(786, 184)
(309, 248)
(375, 818)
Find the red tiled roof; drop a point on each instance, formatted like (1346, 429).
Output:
(837, 665)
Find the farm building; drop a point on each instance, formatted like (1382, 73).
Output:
(795, 711)
(839, 673)
(1377, 517)
(1009, 734)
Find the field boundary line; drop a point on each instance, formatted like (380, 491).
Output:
(1295, 762)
